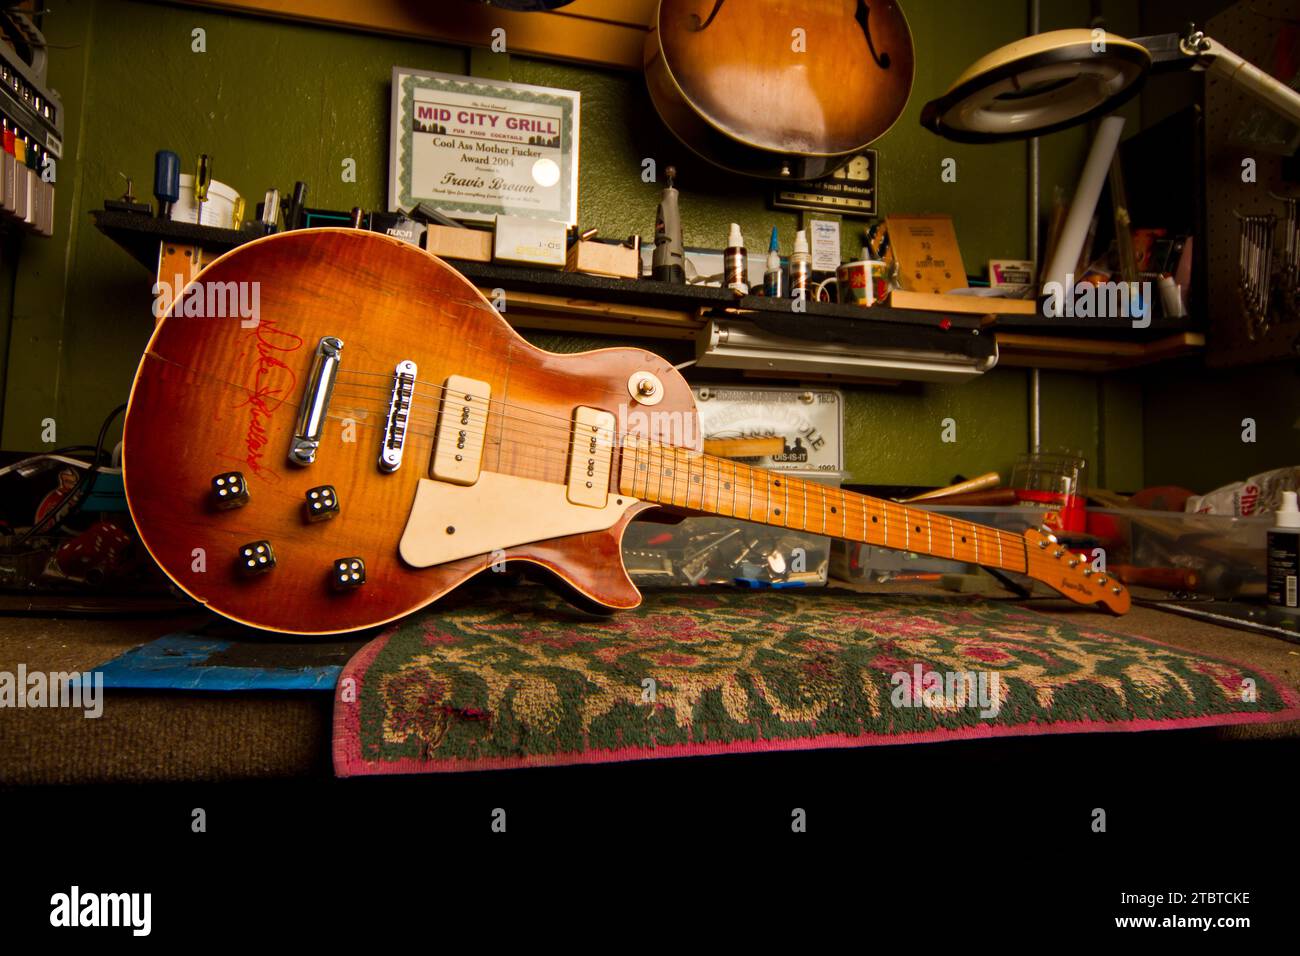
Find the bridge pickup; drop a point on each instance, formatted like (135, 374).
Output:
(399, 414)
(316, 402)
(591, 451)
(462, 426)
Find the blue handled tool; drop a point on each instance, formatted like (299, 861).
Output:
(166, 181)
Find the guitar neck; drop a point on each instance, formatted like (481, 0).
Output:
(690, 481)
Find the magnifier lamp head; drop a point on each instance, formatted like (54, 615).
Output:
(1038, 85)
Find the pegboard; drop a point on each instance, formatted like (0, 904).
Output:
(1255, 30)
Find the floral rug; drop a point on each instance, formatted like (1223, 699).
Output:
(469, 685)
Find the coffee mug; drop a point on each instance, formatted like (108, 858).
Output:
(862, 282)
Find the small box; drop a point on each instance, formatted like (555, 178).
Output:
(603, 259)
(474, 245)
(531, 242)
(398, 225)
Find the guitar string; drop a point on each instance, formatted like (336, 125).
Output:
(559, 455)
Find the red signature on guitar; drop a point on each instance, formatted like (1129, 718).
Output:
(272, 382)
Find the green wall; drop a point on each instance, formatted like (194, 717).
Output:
(272, 102)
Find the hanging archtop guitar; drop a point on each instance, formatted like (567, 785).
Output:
(375, 434)
(784, 89)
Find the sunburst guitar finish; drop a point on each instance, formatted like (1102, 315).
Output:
(376, 434)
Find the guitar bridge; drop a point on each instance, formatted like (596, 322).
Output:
(399, 415)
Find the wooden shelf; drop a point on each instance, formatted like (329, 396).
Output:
(550, 300)
(1091, 355)
(635, 308)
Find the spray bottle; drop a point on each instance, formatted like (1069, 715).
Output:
(1284, 555)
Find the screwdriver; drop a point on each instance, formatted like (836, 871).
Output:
(201, 180)
(166, 181)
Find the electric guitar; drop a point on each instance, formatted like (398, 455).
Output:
(332, 428)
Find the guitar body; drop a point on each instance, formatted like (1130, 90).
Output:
(222, 395)
(739, 83)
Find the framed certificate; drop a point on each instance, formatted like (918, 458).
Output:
(475, 148)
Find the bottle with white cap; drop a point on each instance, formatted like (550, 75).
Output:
(1284, 554)
(735, 263)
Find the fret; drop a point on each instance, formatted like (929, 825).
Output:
(662, 470)
(751, 493)
(690, 477)
(864, 520)
(636, 470)
(677, 473)
(884, 520)
(669, 471)
(803, 487)
(844, 517)
(649, 469)
(999, 540)
(975, 535)
(704, 488)
(703, 500)
(822, 489)
(952, 536)
(907, 530)
(929, 534)
(733, 489)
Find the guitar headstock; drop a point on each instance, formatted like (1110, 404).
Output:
(1062, 570)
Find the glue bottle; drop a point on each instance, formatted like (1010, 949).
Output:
(735, 262)
(1284, 554)
(773, 278)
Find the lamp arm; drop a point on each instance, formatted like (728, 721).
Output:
(1221, 61)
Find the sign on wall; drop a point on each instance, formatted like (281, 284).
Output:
(850, 190)
(475, 148)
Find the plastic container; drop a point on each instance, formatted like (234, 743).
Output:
(699, 551)
(1226, 552)
(218, 208)
(1052, 481)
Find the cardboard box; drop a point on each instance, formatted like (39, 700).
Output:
(530, 242)
(472, 244)
(603, 259)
